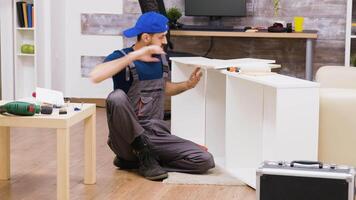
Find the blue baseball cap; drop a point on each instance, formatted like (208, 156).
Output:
(149, 22)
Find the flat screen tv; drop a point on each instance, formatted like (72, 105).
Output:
(215, 8)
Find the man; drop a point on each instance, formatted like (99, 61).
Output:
(138, 135)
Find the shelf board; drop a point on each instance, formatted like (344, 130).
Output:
(25, 29)
(353, 24)
(24, 54)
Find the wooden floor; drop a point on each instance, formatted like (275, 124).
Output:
(33, 172)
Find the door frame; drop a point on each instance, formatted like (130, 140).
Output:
(0, 64)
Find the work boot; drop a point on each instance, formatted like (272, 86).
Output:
(148, 164)
(125, 164)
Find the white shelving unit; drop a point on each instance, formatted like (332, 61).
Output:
(25, 65)
(350, 38)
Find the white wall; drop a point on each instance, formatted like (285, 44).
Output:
(68, 45)
(43, 8)
(6, 28)
(58, 43)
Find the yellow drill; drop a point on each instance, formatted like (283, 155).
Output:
(24, 108)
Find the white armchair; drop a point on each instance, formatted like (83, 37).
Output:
(337, 126)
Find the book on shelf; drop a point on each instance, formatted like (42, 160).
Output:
(33, 15)
(24, 9)
(29, 14)
(25, 14)
(20, 16)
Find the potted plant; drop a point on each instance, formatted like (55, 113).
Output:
(173, 15)
(276, 7)
(353, 60)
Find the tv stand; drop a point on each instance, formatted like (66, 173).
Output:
(214, 24)
(210, 28)
(215, 21)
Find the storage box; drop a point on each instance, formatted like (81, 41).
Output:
(303, 180)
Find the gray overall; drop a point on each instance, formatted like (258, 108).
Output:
(141, 111)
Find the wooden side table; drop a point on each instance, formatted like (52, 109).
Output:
(62, 123)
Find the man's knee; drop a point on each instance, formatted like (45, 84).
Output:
(204, 163)
(116, 98)
(208, 161)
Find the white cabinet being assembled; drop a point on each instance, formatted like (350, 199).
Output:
(246, 119)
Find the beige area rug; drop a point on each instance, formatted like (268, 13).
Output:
(215, 176)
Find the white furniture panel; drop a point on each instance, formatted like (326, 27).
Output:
(244, 124)
(269, 121)
(215, 114)
(202, 109)
(192, 103)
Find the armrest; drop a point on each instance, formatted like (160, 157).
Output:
(336, 77)
(337, 127)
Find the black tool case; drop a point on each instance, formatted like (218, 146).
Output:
(304, 180)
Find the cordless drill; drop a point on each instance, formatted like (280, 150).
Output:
(24, 108)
